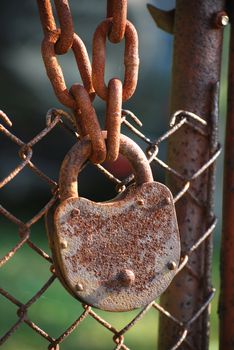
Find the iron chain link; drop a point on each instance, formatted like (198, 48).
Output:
(60, 40)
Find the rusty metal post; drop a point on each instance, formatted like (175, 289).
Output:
(226, 304)
(196, 71)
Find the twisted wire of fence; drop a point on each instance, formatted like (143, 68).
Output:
(55, 118)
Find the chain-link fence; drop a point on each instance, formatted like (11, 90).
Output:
(54, 119)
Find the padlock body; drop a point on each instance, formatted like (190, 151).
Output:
(95, 244)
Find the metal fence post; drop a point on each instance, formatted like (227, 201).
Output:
(196, 71)
(226, 306)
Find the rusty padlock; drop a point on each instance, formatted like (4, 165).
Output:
(116, 255)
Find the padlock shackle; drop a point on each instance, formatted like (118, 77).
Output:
(80, 153)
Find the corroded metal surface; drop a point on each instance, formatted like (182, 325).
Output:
(131, 59)
(65, 40)
(60, 40)
(89, 123)
(54, 70)
(81, 151)
(116, 255)
(118, 10)
(196, 68)
(113, 118)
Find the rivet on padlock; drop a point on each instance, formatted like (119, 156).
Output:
(117, 255)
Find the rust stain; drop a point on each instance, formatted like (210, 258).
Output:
(131, 59)
(108, 238)
(113, 118)
(120, 250)
(117, 9)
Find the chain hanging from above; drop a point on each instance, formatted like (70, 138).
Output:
(58, 41)
(124, 284)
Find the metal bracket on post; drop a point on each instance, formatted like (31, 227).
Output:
(164, 19)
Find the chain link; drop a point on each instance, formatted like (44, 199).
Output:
(113, 118)
(59, 41)
(89, 123)
(117, 9)
(54, 70)
(78, 98)
(65, 40)
(115, 27)
(131, 59)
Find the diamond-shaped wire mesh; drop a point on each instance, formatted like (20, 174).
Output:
(53, 119)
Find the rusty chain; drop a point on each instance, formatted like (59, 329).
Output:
(79, 98)
(65, 40)
(58, 117)
(113, 118)
(58, 41)
(117, 9)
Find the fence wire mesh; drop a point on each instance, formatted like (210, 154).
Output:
(57, 118)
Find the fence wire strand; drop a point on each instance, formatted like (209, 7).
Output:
(57, 117)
